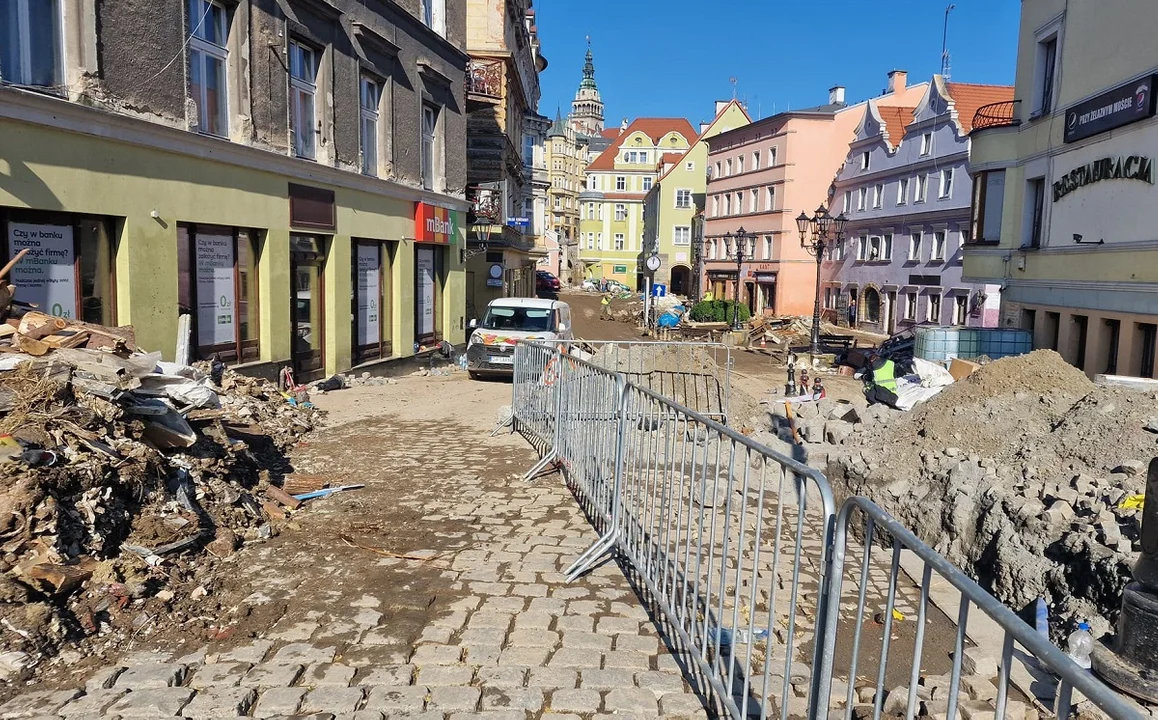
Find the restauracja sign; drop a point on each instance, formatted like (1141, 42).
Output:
(1134, 167)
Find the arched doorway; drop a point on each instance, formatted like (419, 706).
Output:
(872, 305)
(681, 280)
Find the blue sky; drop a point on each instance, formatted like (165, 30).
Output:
(676, 57)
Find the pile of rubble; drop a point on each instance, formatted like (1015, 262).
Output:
(1025, 474)
(118, 472)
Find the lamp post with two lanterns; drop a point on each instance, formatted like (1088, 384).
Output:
(817, 234)
(740, 242)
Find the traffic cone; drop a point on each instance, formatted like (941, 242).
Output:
(763, 344)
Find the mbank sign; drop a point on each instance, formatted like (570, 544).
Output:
(434, 224)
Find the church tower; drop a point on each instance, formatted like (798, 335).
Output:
(587, 107)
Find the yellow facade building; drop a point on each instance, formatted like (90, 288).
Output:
(611, 227)
(282, 205)
(1065, 207)
(566, 153)
(677, 196)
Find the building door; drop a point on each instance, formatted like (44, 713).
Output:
(890, 312)
(428, 294)
(768, 298)
(307, 261)
(680, 280)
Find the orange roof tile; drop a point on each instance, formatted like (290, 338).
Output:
(610, 133)
(654, 128)
(969, 97)
(896, 120)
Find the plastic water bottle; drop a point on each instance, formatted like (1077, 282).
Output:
(1080, 645)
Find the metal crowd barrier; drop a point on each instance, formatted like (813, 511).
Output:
(1031, 671)
(742, 552)
(696, 375)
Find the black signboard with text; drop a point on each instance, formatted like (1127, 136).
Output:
(1123, 105)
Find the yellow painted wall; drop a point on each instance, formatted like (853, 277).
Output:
(49, 169)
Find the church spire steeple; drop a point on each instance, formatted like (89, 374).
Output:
(587, 108)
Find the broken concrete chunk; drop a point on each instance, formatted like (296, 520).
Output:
(1131, 468)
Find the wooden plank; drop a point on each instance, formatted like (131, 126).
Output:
(275, 493)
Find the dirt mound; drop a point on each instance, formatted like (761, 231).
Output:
(1038, 373)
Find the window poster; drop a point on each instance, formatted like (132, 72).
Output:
(369, 295)
(47, 274)
(216, 301)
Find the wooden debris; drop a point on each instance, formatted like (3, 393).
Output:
(57, 579)
(273, 510)
(299, 483)
(277, 494)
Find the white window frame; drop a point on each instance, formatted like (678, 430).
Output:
(729, 166)
(620, 212)
(861, 198)
(916, 240)
(756, 161)
(875, 251)
(922, 188)
(429, 145)
(620, 242)
(684, 195)
(369, 130)
(926, 144)
(770, 198)
(24, 45)
(715, 206)
(772, 157)
(946, 183)
(932, 314)
(681, 236)
(740, 165)
(847, 200)
(878, 196)
(201, 52)
(861, 248)
(865, 160)
(433, 15)
(305, 144)
(689, 165)
(620, 183)
(754, 201)
(1045, 93)
(940, 240)
(768, 247)
(727, 204)
(903, 191)
(911, 299)
(648, 181)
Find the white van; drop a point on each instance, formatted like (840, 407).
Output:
(491, 349)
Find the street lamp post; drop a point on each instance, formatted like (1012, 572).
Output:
(739, 243)
(817, 234)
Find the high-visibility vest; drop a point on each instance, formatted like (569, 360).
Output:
(885, 376)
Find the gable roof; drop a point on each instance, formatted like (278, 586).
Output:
(654, 128)
(610, 133)
(708, 128)
(896, 120)
(969, 97)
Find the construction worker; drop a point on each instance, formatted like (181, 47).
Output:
(880, 381)
(605, 312)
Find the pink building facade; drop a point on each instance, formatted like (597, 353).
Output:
(762, 176)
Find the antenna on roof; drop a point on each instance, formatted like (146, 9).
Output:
(945, 43)
(733, 81)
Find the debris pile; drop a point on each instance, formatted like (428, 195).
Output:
(1025, 474)
(116, 471)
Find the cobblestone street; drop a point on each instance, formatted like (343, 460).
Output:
(435, 592)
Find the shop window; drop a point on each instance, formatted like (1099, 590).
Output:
(30, 43)
(373, 293)
(428, 284)
(217, 288)
(208, 34)
(73, 273)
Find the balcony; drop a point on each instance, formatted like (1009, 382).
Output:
(484, 80)
(1002, 114)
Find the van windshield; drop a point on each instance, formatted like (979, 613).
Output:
(523, 319)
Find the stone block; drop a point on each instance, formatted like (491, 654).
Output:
(304, 653)
(328, 675)
(533, 638)
(333, 700)
(574, 658)
(436, 655)
(144, 677)
(521, 699)
(103, 679)
(279, 702)
(396, 699)
(524, 656)
(454, 698)
(220, 702)
(553, 678)
(634, 700)
(90, 705)
(152, 703)
(580, 702)
(272, 674)
(443, 675)
(218, 675)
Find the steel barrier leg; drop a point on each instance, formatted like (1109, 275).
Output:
(607, 541)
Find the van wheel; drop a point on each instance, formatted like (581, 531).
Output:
(474, 375)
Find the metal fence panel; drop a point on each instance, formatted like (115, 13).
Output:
(864, 596)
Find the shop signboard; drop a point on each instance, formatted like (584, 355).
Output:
(424, 260)
(47, 274)
(434, 224)
(1114, 108)
(369, 295)
(216, 316)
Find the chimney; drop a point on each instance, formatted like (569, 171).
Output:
(836, 95)
(704, 127)
(897, 81)
(720, 105)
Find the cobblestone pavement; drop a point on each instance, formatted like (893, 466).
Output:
(435, 593)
